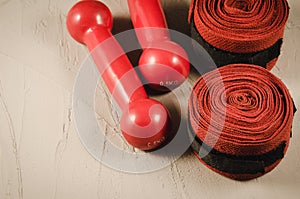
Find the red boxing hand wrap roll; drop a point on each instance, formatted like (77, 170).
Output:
(258, 114)
(241, 26)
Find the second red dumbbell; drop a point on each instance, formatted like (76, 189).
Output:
(163, 63)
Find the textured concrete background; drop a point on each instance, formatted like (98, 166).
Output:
(41, 155)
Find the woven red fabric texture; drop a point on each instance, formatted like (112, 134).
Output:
(240, 26)
(241, 110)
(265, 58)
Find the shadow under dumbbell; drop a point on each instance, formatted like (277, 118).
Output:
(122, 24)
(177, 16)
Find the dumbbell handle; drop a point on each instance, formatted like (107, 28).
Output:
(148, 16)
(113, 67)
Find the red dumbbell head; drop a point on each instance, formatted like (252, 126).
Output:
(86, 15)
(165, 67)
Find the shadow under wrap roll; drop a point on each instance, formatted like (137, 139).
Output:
(240, 31)
(257, 112)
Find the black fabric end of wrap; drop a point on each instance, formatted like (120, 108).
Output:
(222, 58)
(237, 164)
(294, 112)
(295, 108)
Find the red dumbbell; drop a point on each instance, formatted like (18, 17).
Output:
(164, 63)
(144, 121)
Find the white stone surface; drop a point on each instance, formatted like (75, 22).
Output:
(41, 155)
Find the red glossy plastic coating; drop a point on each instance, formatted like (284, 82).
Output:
(144, 121)
(163, 62)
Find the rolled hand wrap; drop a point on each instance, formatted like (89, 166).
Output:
(257, 112)
(240, 31)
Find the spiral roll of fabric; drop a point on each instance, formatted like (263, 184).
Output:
(241, 116)
(240, 31)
